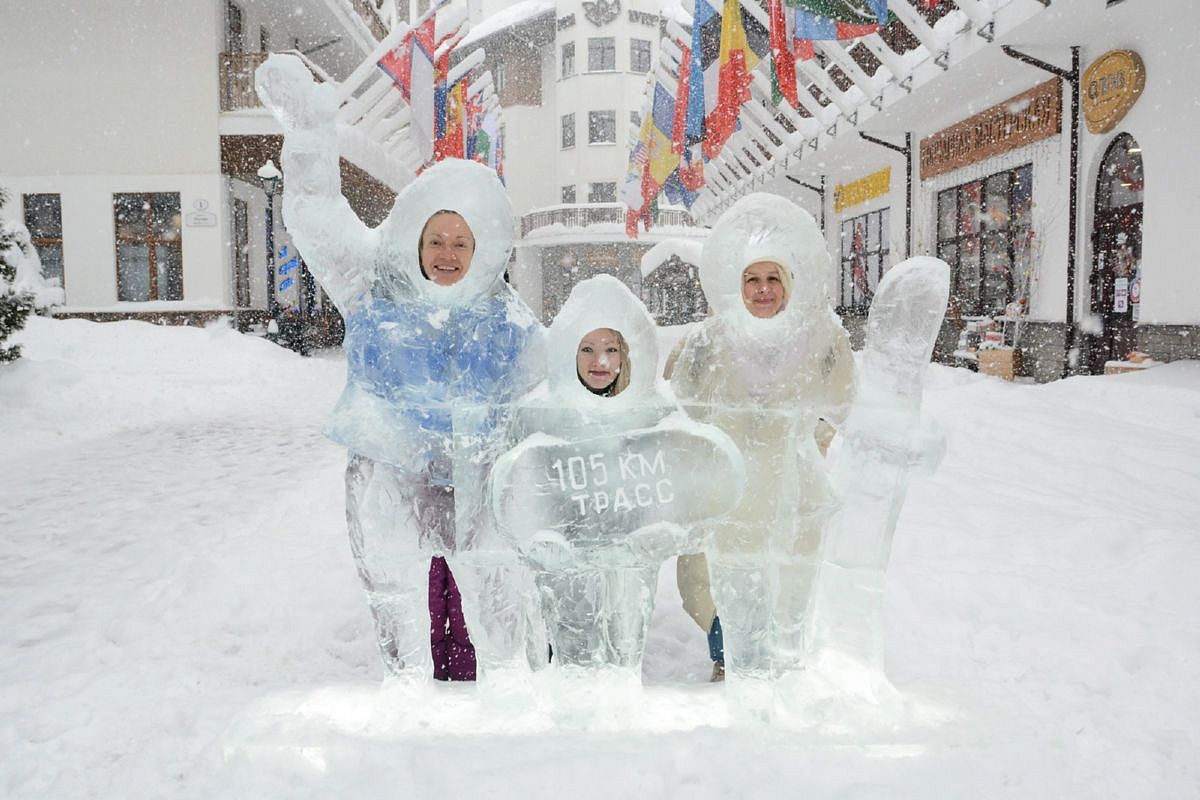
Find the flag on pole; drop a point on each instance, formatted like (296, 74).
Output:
(410, 66)
(783, 60)
(834, 20)
(744, 42)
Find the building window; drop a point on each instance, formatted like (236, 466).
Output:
(568, 130)
(864, 258)
(568, 59)
(602, 192)
(498, 76)
(235, 29)
(639, 55)
(602, 54)
(43, 218)
(568, 194)
(602, 127)
(984, 232)
(635, 119)
(149, 246)
(241, 253)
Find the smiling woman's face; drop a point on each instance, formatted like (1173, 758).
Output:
(598, 359)
(447, 245)
(762, 289)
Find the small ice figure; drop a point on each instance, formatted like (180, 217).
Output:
(437, 344)
(771, 362)
(608, 479)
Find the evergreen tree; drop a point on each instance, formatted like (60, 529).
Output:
(14, 305)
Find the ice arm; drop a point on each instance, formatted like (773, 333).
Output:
(337, 246)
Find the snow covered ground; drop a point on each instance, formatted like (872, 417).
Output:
(181, 615)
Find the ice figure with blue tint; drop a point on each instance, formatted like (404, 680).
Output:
(437, 345)
(606, 481)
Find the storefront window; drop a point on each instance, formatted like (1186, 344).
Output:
(864, 258)
(984, 234)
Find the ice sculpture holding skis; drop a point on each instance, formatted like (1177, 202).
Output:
(771, 361)
(882, 439)
(605, 485)
(436, 346)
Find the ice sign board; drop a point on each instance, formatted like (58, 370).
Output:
(593, 491)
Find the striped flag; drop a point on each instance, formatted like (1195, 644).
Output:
(733, 81)
(783, 60)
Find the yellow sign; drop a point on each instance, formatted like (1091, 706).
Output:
(862, 190)
(1111, 85)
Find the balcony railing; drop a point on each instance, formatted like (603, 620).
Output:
(581, 216)
(237, 78)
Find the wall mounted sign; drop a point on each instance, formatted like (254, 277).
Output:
(601, 12)
(1029, 117)
(1111, 85)
(201, 217)
(860, 191)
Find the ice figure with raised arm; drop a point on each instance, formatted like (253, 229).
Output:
(437, 344)
(769, 364)
(882, 440)
(607, 480)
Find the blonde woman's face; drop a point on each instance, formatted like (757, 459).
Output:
(447, 245)
(598, 359)
(762, 289)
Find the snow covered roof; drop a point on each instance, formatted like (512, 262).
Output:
(513, 15)
(687, 250)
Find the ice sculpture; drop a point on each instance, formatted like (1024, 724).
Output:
(766, 382)
(600, 490)
(882, 439)
(429, 365)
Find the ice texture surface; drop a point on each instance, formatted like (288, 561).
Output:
(766, 383)
(598, 491)
(883, 439)
(430, 369)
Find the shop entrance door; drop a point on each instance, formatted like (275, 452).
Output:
(1116, 282)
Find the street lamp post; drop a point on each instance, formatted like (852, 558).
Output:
(270, 176)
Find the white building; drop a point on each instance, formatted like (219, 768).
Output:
(991, 161)
(132, 137)
(571, 76)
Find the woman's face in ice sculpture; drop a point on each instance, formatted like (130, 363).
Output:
(763, 291)
(447, 245)
(598, 360)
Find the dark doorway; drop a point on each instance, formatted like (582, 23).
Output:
(1116, 284)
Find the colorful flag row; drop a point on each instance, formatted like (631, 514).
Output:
(729, 39)
(451, 117)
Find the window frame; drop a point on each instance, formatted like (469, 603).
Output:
(991, 238)
(39, 239)
(566, 63)
(152, 242)
(850, 296)
(633, 52)
(594, 118)
(568, 126)
(596, 45)
(593, 192)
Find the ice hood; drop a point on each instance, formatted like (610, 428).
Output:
(765, 227)
(603, 302)
(473, 191)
